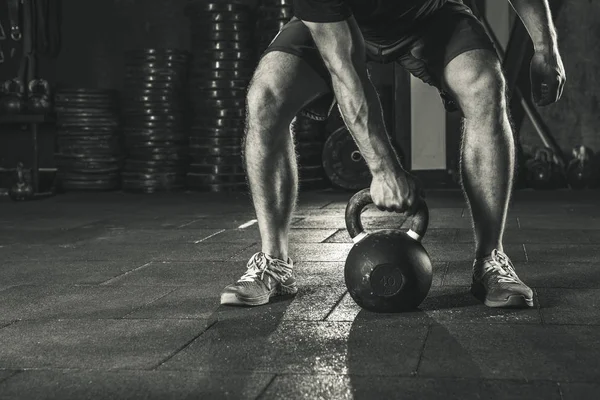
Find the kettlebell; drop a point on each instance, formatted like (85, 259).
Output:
(541, 174)
(21, 190)
(39, 96)
(12, 98)
(388, 270)
(579, 170)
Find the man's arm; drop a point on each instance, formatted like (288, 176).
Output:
(547, 71)
(537, 18)
(342, 47)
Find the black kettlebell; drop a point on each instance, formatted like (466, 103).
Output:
(387, 270)
(540, 170)
(39, 96)
(579, 170)
(21, 190)
(12, 98)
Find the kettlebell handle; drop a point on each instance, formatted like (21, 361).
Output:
(420, 220)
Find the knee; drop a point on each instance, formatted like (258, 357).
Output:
(265, 104)
(482, 92)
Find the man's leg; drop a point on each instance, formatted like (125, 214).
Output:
(282, 85)
(476, 82)
(487, 151)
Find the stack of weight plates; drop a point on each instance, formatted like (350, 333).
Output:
(272, 16)
(223, 62)
(309, 136)
(155, 128)
(88, 139)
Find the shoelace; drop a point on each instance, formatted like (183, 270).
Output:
(502, 264)
(258, 267)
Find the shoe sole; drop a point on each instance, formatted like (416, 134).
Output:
(513, 301)
(236, 299)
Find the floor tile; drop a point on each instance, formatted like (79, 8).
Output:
(304, 347)
(50, 272)
(130, 385)
(95, 344)
(376, 387)
(570, 306)
(563, 252)
(580, 391)
(62, 301)
(498, 351)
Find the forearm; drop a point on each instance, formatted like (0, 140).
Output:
(342, 47)
(361, 110)
(537, 18)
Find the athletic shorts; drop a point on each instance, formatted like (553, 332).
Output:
(424, 51)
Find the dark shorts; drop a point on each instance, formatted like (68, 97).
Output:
(424, 51)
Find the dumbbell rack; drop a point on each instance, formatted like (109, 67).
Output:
(32, 121)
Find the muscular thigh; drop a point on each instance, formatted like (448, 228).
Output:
(293, 68)
(450, 33)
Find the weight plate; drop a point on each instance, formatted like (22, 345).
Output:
(311, 172)
(142, 100)
(211, 104)
(218, 187)
(86, 92)
(199, 150)
(214, 142)
(154, 93)
(222, 36)
(221, 94)
(217, 160)
(84, 111)
(194, 6)
(141, 78)
(153, 110)
(193, 179)
(208, 18)
(222, 74)
(239, 84)
(216, 169)
(312, 184)
(230, 123)
(227, 55)
(343, 164)
(266, 13)
(134, 85)
(205, 64)
(154, 51)
(145, 135)
(203, 131)
(217, 113)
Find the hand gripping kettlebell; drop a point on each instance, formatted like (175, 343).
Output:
(39, 96)
(12, 97)
(387, 270)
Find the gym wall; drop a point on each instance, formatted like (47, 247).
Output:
(96, 32)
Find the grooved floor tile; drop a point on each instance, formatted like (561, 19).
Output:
(580, 391)
(60, 301)
(563, 252)
(570, 306)
(375, 347)
(131, 385)
(50, 272)
(95, 344)
(377, 387)
(498, 351)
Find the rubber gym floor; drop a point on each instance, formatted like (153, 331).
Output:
(113, 296)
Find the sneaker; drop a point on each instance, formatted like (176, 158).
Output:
(265, 277)
(496, 283)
